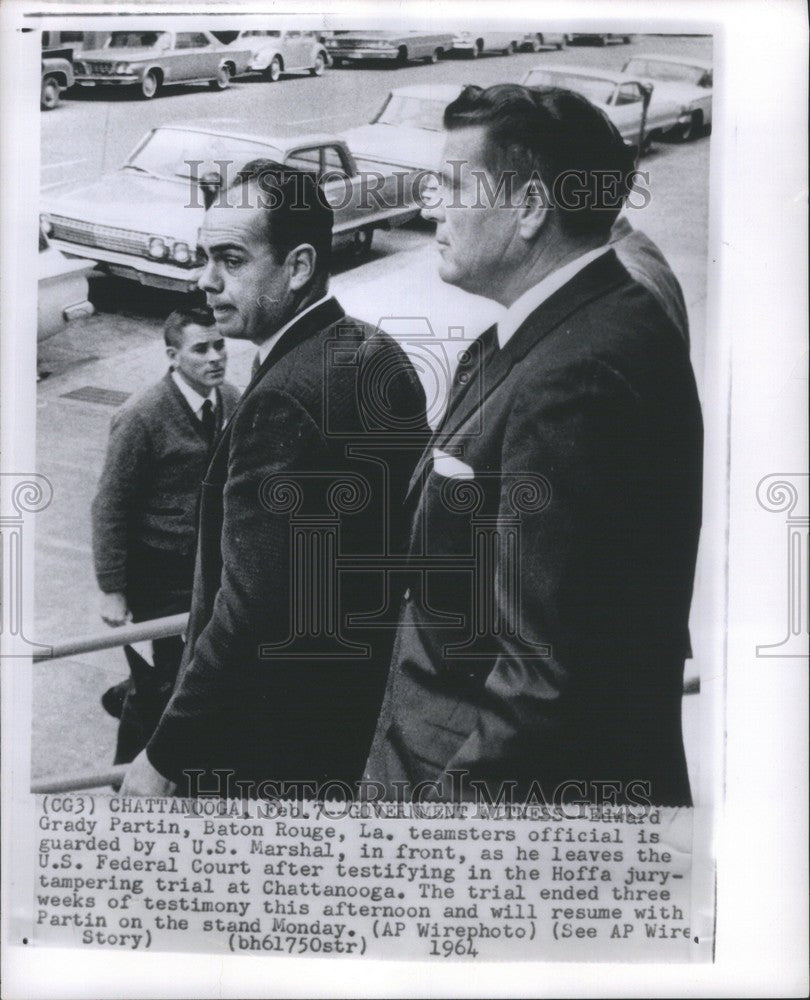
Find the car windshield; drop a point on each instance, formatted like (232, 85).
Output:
(261, 34)
(598, 91)
(135, 39)
(415, 112)
(666, 72)
(179, 153)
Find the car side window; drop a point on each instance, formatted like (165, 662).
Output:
(190, 40)
(628, 94)
(305, 159)
(293, 34)
(333, 162)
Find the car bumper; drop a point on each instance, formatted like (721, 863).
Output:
(112, 81)
(156, 274)
(368, 54)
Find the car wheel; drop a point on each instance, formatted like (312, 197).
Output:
(510, 48)
(693, 128)
(320, 65)
(434, 56)
(626, 39)
(561, 45)
(273, 71)
(150, 85)
(361, 245)
(49, 95)
(222, 80)
(402, 56)
(537, 43)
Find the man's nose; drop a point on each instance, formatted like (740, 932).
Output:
(432, 202)
(209, 280)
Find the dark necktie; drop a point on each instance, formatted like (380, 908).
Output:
(209, 422)
(471, 365)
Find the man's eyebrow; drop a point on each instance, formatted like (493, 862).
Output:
(222, 247)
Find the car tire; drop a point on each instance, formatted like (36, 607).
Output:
(222, 80)
(273, 71)
(320, 65)
(510, 48)
(402, 56)
(692, 129)
(49, 95)
(361, 245)
(561, 45)
(150, 85)
(434, 57)
(537, 43)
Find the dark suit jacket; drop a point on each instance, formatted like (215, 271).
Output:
(568, 561)
(144, 523)
(309, 469)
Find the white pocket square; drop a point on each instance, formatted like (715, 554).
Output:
(450, 466)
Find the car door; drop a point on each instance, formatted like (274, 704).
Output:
(294, 43)
(196, 58)
(628, 112)
(341, 189)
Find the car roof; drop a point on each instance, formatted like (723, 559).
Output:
(284, 143)
(438, 91)
(675, 60)
(589, 71)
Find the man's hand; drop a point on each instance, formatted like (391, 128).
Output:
(142, 779)
(114, 610)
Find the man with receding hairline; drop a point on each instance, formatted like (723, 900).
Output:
(265, 695)
(569, 465)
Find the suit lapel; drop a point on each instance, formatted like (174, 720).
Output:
(592, 282)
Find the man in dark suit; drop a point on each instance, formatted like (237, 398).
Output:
(284, 668)
(143, 513)
(557, 510)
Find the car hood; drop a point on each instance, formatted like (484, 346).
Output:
(396, 146)
(116, 55)
(128, 200)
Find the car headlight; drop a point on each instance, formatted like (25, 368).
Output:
(79, 67)
(331, 43)
(157, 247)
(46, 224)
(123, 67)
(181, 252)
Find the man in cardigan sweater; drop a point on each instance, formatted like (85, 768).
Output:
(144, 511)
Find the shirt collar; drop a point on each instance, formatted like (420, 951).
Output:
(522, 308)
(267, 345)
(192, 397)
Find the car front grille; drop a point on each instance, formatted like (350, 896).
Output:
(102, 68)
(105, 237)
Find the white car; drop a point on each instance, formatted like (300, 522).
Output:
(627, 100)
(407, 131)
(682, 81)
(277, 52)
(63, 289)
(533, 41)
(473, 43)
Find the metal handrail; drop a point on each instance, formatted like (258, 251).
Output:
(157, 628)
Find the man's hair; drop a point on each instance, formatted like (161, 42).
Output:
(296, 207)
(557, 135)
(176, 323)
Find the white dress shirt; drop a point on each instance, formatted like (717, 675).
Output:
(192, 397)
(522, 308)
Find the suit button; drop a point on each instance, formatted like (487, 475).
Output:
(407, 595)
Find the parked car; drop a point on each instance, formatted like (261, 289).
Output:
(407, 131)
(533, 41)
(149, 59)
(602, 39)
(57, 75)
(473, 43)
(626, 101)
(63, 289)
(141, 221)
(399, 48)
(275, 52)
(686, 82)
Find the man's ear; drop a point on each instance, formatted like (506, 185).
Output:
(301, 261)
(171, 354)
(534, 209)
